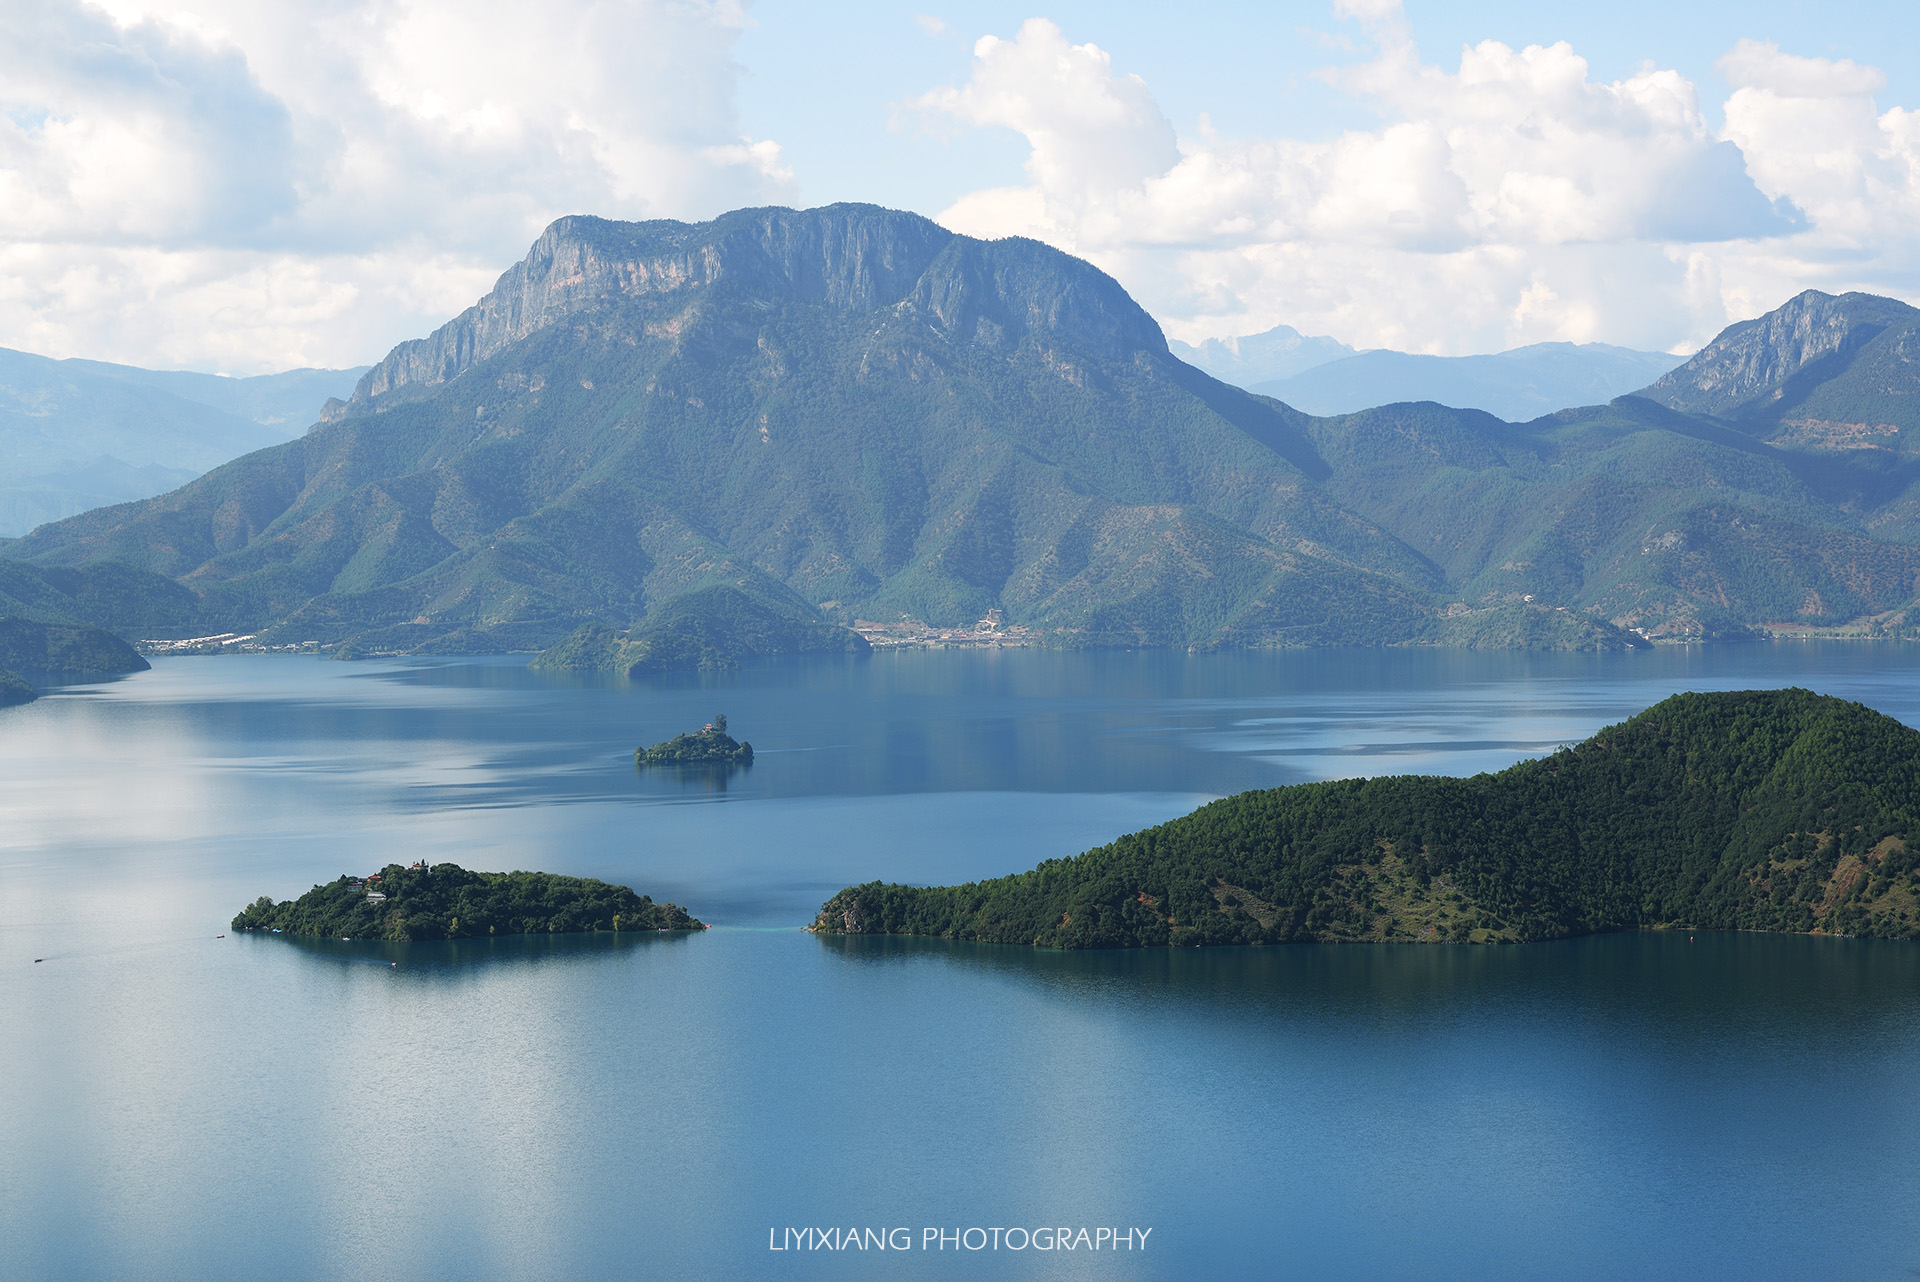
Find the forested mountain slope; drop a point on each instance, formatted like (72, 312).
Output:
(1806, 371)
(851, 413)
(844, 408)
(1759, 810)
(1679, 526)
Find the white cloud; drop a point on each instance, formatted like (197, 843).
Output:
(243, 185)
(1813, 136)
(1092, 132)
(1512, 200)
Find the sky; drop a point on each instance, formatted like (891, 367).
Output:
(250, 185)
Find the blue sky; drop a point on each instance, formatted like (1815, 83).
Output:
(821, 76)
(243, 185)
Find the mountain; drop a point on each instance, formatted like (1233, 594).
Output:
(1712, 504)
(79, 434)
(1280, 352)
(1819, 373)
(1774, 810)
(847, 409)
(107, 595)
(1682, 528)
(1518, 385)
(850, 413)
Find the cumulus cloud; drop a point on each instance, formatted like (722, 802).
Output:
(230, 184)
(1512, 199)
(1813, 136)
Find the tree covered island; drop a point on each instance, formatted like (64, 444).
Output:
(709, 746)
(1777, 810)
(447, 901)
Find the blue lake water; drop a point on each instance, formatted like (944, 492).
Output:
(176, 1106)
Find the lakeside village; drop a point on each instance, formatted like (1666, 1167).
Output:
(992, 630)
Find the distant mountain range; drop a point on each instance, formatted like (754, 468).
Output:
(1280, 352)
(1322, 376)
(851, 413)
(1517, 385)
(78, 434)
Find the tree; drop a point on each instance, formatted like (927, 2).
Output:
(720, 722)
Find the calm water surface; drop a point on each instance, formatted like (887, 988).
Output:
(176, 1106)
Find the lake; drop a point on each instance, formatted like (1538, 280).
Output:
(174, 1105)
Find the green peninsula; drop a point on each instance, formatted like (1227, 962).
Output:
(708, 746)
(31, 646)
(447, 901)
(15, 688)
(715, 627)
(1775, 810)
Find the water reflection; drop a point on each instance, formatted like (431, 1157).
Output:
(692, 777)
(491, 950)
(1694, 985)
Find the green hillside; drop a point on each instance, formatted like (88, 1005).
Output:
(1774, 810)
(104, 595)
(1680, 527)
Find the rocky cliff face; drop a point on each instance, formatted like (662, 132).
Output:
(1754, 368)
(857, 258)
(848, 409)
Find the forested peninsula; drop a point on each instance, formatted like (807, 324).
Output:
(15, 688)
(716, 627)
(447, 901)
(28, 645)
(1759, 810)
(60, 650)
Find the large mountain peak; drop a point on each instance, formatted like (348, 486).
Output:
(848, 257)
(1766, 367)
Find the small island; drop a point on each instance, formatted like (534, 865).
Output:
(708, 746)
(446, 901)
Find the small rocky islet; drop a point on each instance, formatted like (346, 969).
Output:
(446, 901)
(710, 745)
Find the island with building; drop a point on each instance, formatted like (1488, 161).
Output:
(446, 901)
(710, 745)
